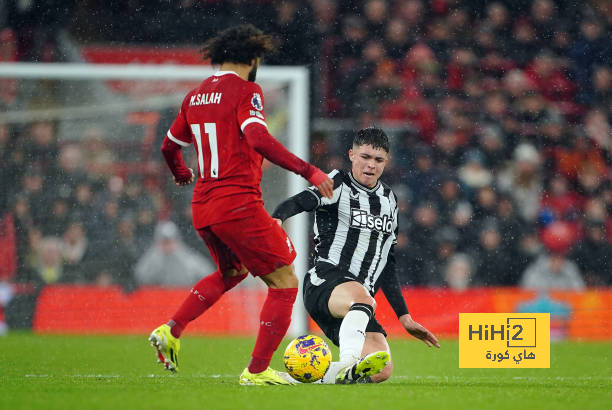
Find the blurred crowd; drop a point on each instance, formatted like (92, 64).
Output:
(78, 219)
(502, 169)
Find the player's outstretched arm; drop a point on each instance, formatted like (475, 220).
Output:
(393, 292)
(419, 331)
(265, 144)
(305, 201)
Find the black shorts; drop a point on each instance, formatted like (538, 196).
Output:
(316, 300)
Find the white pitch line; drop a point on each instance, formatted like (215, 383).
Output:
(399, 377)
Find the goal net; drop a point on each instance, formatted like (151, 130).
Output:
(119, 114)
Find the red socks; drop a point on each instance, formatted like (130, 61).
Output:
(274, 321)
(202, 296)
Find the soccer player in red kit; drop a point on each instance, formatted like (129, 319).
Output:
(224, 119)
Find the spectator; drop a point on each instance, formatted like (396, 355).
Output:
(412, 12)
(34, 194)
(447, 149)
(69, 172)
(558, 202)
(41, 147)
(491, 259)
(543, 19)
(422, 231)
(492, 145)
(120, 256)
(409, 265)
(473, 175)
(602, 84)
(458, 272)
(589, 49)
(47, 266)
(498, 20)
(445, 241)
(169, 262)
(553, 270)
(485, 204)
(56, 221)
(522, 180)
(593, 255)
(75, 249)
(449, 197)
(397, 40)
(375, 12)
(424, 178)
(524, 42)
(599, 128)
(292, 28)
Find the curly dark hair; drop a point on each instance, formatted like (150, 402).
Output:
(239, 44)
(373, 136)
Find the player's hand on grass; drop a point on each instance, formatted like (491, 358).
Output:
(323, 183)
(185, 181)
(418, 330)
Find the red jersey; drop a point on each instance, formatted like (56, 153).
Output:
(213, 117)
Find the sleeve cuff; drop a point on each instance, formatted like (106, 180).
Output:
(252, 120)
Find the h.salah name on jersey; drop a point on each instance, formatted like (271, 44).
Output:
(205, 98)
(362, 219)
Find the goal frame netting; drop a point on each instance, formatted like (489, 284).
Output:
(295, 77)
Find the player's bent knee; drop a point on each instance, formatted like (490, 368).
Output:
(366, 300)
(282, 278)
(235, 272)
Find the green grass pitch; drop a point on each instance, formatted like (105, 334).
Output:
(108, 372)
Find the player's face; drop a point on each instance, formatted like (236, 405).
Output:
(253, 72)
(368, 163)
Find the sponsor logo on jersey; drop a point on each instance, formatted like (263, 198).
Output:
(256, 102)
(363, 220)
(256, 114)
(205, 98)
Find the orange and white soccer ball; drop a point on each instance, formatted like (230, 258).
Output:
(307, 358)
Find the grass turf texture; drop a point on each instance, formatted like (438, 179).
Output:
(103, 372)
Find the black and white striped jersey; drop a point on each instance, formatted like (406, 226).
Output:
(354, 230)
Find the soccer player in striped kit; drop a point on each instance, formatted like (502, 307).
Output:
(355, 233)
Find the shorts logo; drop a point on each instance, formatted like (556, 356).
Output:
(289, 245)
(363, 220)
(256, 102)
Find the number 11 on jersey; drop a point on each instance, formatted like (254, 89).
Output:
(210, 128)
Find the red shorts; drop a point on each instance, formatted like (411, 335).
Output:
(257, 242)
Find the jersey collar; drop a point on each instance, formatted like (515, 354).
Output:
(220, 73)
(363, 187)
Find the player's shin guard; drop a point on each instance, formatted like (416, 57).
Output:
(352, 331)
(203, 295)
(351, 339)
(274, 322)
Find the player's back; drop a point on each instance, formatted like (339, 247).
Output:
(229, 170)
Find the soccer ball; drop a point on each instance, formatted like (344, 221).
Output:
(307, 358)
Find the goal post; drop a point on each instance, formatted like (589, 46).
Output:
(286, 90)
